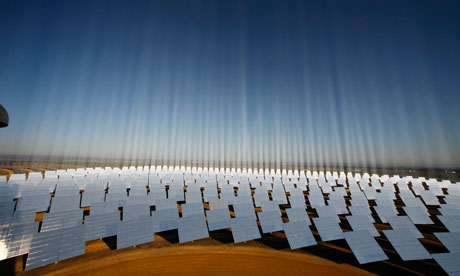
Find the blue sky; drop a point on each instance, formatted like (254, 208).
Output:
(345, 83)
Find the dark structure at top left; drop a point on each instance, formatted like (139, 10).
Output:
(4, 119)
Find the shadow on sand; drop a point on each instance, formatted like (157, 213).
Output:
(172, 236)
(111, 242)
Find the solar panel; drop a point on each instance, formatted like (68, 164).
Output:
(362, 210)
(218, 219)
(429, 197)
(407, 246)
(134, 232)
(244, 229)
(354, 188)
(243, 199)
(451, 240)
(6, 209)
(19, 217)
(370, 193)
(288, 186)
(385, 211)
(449, 262)
(132, 212)
(279, 195)
(67, 189)
(244, 191)
(337, 201)
(398, 222)
(260, 196)
(17, 238)
(452, 201)
(411, 201)
(56, 245)
(244, 210)
(39, 203)
(7, 193)
(17, 177)
(140, 199)
(436, 190)
(298, 234)
(328, 228)
(138, 190)
(448, 210)
(176, 193)
(227, 193)
(55, 221)
(190, 209)
(167, 218)
(192, 227)
(316, 199)
(297, 201)
(95, 225)
(270, 206)
(358, 199)
(193, 196)
(35, 191)
(327, 211)
(104, 207)
(361, 222)
(65, 203)
(193, 187)
(153, 221)
(165, 204)
(92, 195)
(119, 197)
(157, 193)
(210, 193)
(364, 246)
(218, 204)
(72, 242)
(326, 187)
(270, 221)
(418, 215)
(339, 191)
(43, 249)
(297, 214)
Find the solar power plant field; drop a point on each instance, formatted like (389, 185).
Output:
(378, 223)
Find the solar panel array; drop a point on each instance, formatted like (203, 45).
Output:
(133, 232)
(364, 246)
(192, 227)
(298, 234)
(270, 221)
(56, 245)
(406, 244)
(136, 202)
(244, 229)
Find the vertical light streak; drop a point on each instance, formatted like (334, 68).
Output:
(247, 83)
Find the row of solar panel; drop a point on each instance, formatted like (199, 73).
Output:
(244, 224)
